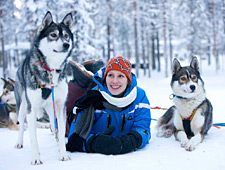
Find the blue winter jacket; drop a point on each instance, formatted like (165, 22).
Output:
(136, 117)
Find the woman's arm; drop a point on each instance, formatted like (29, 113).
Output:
(142, 117)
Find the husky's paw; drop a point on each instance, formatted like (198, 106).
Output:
(163, 132)
(65, 157)
(190, 147)
(43, 125)
(36, 162)
(184, 143)
(168, 133)
(18, 146)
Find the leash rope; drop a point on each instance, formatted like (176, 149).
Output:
(53, 102)
(216, 125)
(43, 65)
(157, 107)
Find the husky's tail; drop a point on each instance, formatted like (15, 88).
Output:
(18, 94)
(21, 84)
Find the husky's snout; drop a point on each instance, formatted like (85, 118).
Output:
(66, 46)
(192, 87)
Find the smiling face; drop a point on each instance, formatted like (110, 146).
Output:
(116, 82)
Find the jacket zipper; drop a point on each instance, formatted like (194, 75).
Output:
(109, 120)
(123, 123)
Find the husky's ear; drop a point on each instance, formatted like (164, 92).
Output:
(176, 66)
(47, 20)
(5, 81)
(67, 20)
(194, 64)
(12, 81)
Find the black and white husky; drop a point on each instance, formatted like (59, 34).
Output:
(191, 116)
(43, 70)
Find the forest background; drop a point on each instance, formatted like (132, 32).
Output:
(144, 31)
(150, 33)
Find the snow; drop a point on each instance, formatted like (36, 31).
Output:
(159, 154)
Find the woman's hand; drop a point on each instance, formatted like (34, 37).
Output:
(106, 144)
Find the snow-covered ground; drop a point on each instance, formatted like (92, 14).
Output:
(159, 154)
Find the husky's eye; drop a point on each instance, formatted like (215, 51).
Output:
(183, 79)
(53, 35)
(194, 77)
(66, 36)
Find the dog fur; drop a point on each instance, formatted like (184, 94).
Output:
(44, 68)
(8, 116)
(190, 100)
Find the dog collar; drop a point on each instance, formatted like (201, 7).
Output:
(43, 65)
(173, 95)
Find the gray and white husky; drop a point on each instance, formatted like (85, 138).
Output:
(191, 116)
(43, 69)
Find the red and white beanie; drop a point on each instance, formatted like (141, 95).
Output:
(121, 64)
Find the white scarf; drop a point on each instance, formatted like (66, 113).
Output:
(123, 101)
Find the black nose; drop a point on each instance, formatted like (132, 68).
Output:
(192, 87)
(66, 46)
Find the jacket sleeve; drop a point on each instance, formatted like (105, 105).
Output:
(74, 123)
(73, 126)
(142, 117)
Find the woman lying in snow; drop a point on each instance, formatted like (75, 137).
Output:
(113, 117)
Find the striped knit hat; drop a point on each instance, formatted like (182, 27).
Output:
(121, 64)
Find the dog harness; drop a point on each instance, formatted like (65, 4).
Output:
(187, 123)
(4, 114)
(46, 92)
